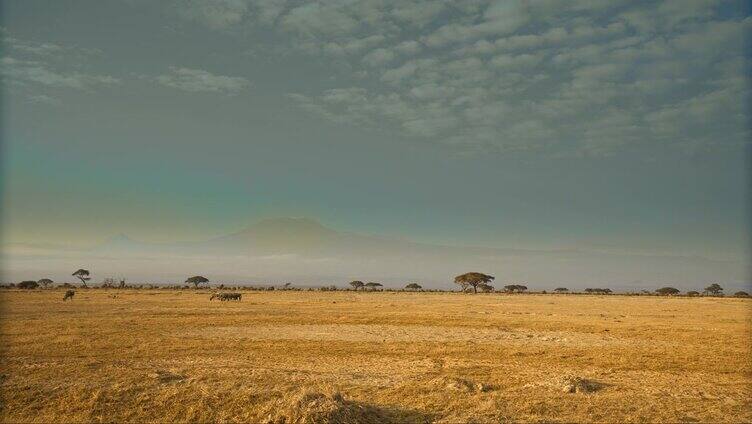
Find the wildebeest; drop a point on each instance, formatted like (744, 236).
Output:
(226, 296)
(68, 295)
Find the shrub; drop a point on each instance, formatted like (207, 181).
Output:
(741, 294)
(692, 293)
(28, 285)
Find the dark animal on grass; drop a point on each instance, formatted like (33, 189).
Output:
(68, 295)
(226, 296)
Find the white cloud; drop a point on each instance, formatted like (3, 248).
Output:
(314, 19)
(26, 72)
(197, 80)
(378, 57)
(592, 76)
(215, 14)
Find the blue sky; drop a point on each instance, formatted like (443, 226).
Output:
(608, 125)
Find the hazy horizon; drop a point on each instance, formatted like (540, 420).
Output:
(580, 143)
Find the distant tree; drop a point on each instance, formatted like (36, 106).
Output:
(357, 284)
(45, 282)
(714, 289)
(108, 283)
(27, 285)
(515, 288)
(373, 286)
(485, 288)
(598, 291)
(122, 283)
(414, 286)
(286, 286)
(196, 280)
(83, 275)
(561, 290)
(667, 291)
(692, 293)
(741, 294)
(474, 280)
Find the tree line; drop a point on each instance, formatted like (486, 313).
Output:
(468, 282)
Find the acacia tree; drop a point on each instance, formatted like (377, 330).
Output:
(741, 294)
(357, 284)
(83, 275)
(515, 288)
(474, 280)
(45, 282)
(667, 291)
(373, 286)
(692, 293)
(485, 288)
(714, 289)
(561, 290)
(414, 286)
(196, 280)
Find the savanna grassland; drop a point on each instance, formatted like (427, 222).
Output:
(164, 356)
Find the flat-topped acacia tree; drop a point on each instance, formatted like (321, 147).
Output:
(357, 284)
(474, 280)
(561, 290)
(373, 286)
(196, 280)
(667, 291)
(83, 275)
(414, 286)
(714, 288)
(45, 282)
(515, 288)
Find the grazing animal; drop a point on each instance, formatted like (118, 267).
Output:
(226, 296)
(68, 295)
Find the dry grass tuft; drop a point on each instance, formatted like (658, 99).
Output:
(320, 408)
(462, 385)
(575, 384)
(167, 376)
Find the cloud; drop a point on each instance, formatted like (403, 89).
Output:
(197, 80)
(47, 49)
(44, 99)
(26, 72)
(583, 76)
(313, 19)
(215, 14)
(378, 57)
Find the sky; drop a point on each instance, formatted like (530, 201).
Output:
(614, 126)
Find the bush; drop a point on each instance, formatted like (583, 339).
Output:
(667, 291)
(28, 285)
(692, 293)
(741, 294)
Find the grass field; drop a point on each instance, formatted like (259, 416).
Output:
(159, 355)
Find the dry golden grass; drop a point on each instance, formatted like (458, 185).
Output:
(163, 356)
